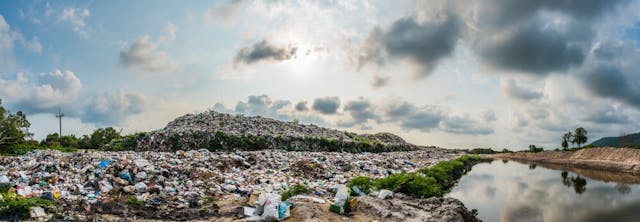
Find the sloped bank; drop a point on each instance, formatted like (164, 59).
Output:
(610, 159)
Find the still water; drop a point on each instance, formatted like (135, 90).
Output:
(511, 191)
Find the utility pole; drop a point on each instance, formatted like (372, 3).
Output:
(59, 116)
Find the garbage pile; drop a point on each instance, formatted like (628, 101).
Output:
(183, 183)
(224, 132)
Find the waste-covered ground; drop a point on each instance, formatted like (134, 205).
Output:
(203, 185)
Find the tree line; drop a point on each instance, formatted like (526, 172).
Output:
(15, 137)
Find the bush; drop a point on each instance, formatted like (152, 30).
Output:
(365, 184)
(19, 206)
(294, 190)
(392, 181)
(427, 182)
(21, 149)
(421, 186)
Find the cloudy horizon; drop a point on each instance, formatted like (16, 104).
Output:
(456, 74)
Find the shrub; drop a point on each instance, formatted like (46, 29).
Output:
(421, 186)
(392, 181)
(19, 206)
(294, 190)
(365, 184)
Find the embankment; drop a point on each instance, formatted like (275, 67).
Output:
(610, 159)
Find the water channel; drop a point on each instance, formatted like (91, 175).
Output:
(512, 191)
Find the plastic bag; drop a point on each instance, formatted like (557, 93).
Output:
(271, 205)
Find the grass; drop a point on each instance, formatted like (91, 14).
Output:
(426, 182)
(365, 184)
(294, 190)
(133, 200)
(21, 149)
(18, 207)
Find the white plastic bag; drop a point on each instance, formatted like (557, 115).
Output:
(271, 208)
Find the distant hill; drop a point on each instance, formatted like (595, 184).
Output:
(223, 132)
(631, 140)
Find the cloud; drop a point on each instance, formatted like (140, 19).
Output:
(43, 93)
(302, 106)
(76, 18)
(46, 92)
(423, 44)
(8, 38)
(609, 82)
(464, 125)
(379, 81)
(264, 50)
(606, 115)
(143, 54)
(536, 37)
(360, 111)
(326, 105)
(224, 12)
(263, 105)
(112, 108)
(512, 90)
(534, 48)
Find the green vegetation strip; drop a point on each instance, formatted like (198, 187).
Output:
(424, 183)
(15, 207)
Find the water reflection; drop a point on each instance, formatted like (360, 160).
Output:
(511, 191)
(532, 166)
(578, 183)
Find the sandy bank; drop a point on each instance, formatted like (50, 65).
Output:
(610, 159)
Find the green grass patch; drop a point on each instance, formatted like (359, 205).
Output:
(21, 149)
(133, 200)
(365, 184)
(294, 190)
(14, 206)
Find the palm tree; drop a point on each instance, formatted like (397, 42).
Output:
(566, 138)
(580, 136)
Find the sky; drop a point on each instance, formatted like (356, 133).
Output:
(456, 74)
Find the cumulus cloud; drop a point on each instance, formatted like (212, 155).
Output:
(42, 93)
(610, 82)
(76, 18)
(46, 92)
(264, 51)
(144, 55)
(537, 37)
(263, 105)
(423, 44)
(360, 111)
(428, 118)
(326, 105)
(512, 90)
(112, 108)
(9, 37)
(302, 106)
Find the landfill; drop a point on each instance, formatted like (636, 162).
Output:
(195, 184)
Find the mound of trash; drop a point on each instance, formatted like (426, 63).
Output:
(224, 132)
(187, 185)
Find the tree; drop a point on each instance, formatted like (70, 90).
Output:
(534, 149)
(103, 136)
(14, 128)
(580, 136)
(566, 138)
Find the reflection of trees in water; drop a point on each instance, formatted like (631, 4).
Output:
(623, 188)
(532, 166)
(578, 183)
(505, 161)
